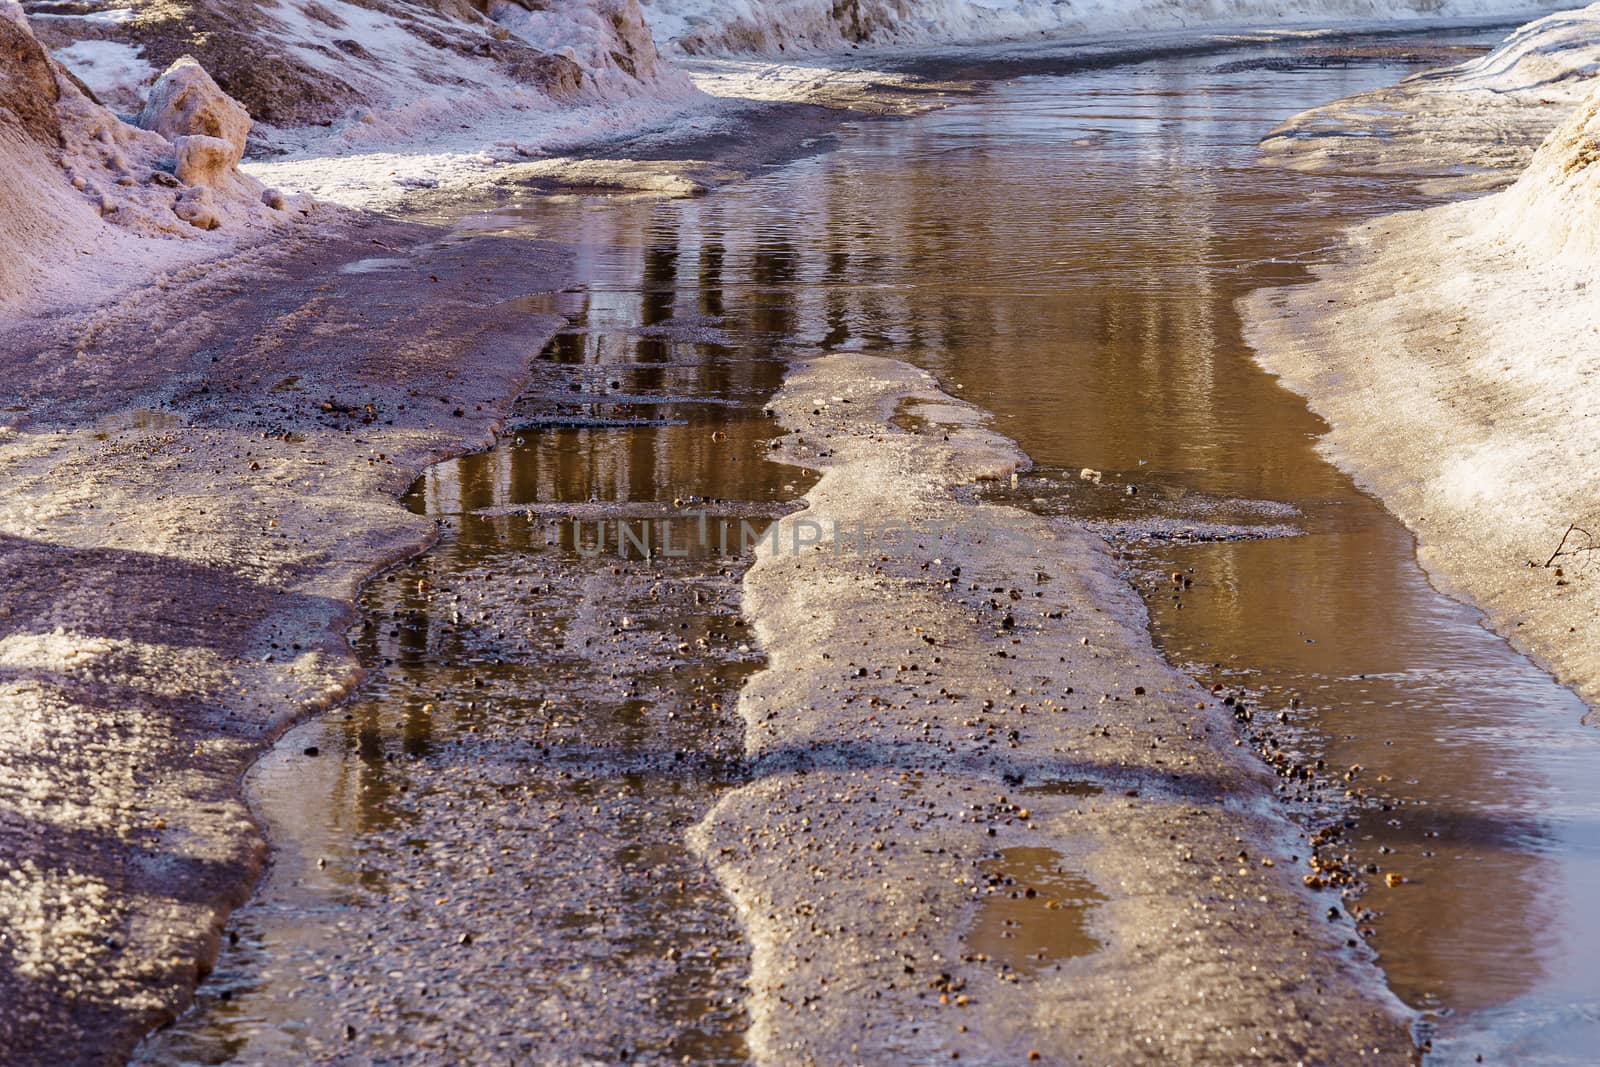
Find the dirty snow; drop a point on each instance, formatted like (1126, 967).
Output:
(92, 204)
(1472, 126)
(1552, 56)
(1552, 214)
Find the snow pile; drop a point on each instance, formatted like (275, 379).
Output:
(1552, 57)
(92, 202)
(1470, 127)
(607, 39)
(362, 71)
(1553, 210)
(733, 26)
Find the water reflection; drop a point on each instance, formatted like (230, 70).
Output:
(1106, 226)
(1066, 253)
(510, 794)
(1035, 913)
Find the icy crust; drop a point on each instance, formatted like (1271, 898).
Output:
(1552, 212)
(922, 693)
(1472, 126)
(736, 26)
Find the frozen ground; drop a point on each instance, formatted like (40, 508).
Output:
(196, 482)
(1452, 352)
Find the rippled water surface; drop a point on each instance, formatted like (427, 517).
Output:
(1066, 252)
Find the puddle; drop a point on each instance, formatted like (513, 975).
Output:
(495, 827)
(1085, 295)
(373, 265)
(1096, 320)
(1035, 913)
(137, 420)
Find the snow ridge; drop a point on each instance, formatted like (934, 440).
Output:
(698, 27)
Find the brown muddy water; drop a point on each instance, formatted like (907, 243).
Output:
(484, 857)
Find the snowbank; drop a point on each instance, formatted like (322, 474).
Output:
(362, 101)
(1553, 210)
(1452, 352)
(1469, 127)
(723, 26)
(93, 203)
(368, 68)
(1552, 56)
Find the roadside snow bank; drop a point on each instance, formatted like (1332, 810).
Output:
(363, 101)
(1552, 56)
(93, 203)
(1472, 126)
(1553, 210)
(1452, 352)
(722, 26)
(342, 72)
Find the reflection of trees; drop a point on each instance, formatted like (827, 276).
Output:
(677, 270)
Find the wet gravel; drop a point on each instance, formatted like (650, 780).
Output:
(484, 857)
(499, 827)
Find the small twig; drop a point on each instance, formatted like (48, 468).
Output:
(1572, 529)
